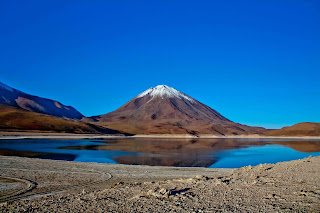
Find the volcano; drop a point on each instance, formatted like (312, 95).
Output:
(165, 110)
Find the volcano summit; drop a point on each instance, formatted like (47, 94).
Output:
(165, 110)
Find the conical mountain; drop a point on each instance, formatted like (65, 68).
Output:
(16, 98)
(165, 110)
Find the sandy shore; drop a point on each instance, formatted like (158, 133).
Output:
(48, 135)
(51, 135)
(52, 177)
(220, 137)
(60, 186)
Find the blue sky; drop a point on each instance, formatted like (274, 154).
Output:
(256, 62)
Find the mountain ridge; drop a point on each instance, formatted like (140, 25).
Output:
(165, 110)
(16, 98)
(299, 129)
(157, 110)
(14, 119)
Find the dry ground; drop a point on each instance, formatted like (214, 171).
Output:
(90, 187)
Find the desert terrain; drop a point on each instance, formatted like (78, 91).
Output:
(13, 119)
(34, 185)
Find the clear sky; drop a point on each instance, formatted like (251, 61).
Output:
(256, 62)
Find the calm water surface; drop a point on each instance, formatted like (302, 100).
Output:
(214, 153)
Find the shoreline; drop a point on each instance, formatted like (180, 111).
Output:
(226, 137)
(49, 135)
(86, 175)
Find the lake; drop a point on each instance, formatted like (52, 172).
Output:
(213, 153)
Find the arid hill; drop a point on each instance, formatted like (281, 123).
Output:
(16, 119)
(164, 110)
(299, 129)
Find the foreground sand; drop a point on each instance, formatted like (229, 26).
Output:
(60, 186)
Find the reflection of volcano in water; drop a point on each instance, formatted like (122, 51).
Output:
(185, 152)
(203, 152)
(168, 152)
(177, 161)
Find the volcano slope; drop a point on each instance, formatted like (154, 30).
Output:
(165, 110)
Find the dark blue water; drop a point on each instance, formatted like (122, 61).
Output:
(214, 153)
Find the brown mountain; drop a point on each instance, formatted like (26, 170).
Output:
(13, 97)
(299, 129)
(164, 110)
(17, 119)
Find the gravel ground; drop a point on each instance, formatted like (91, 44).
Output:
(10, 187)
(292, 186)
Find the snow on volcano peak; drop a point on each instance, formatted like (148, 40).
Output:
(162, 90)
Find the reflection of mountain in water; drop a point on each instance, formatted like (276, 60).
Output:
(301, 146)
(164, 160)
(184, 152)
(42, 155)
(164, 152)
(169, 152)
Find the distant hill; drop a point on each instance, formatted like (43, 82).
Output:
(13, 97)
(16, 119)
(165, 110)
(299, 129)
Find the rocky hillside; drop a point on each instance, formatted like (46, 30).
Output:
(16, 119)
(299, 129)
